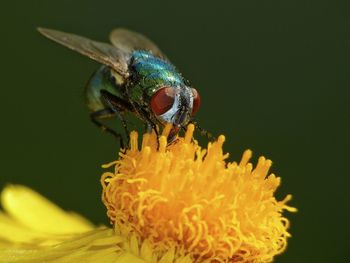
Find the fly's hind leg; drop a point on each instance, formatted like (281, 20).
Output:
(104, 114)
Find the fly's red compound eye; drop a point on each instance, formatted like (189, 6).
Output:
(196, 101)
(162, 100)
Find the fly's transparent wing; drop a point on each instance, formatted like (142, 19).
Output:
(102, 52)
(128, 41)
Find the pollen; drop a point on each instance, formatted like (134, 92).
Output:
(193, 200)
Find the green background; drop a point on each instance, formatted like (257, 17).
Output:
(273, 77)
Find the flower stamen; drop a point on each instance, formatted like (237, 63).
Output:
(191, 200)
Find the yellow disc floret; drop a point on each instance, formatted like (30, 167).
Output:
(190, 199)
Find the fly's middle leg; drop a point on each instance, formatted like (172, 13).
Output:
(96, 117)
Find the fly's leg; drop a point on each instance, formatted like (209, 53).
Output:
(148, 128)
(122, 105)
(142, 114)
(103, 114)
(151, 126)
(118, 106)
(154, 127)
(203, 132)
(125, 126)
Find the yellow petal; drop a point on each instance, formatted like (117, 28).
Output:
(99, 245)
(35, 212)
(127, 257)
(186, 259)
(146, 251)
(168, 256)
(12, 231)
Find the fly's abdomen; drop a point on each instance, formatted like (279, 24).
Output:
(102, 79)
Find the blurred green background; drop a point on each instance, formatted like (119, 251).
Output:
(273, 77)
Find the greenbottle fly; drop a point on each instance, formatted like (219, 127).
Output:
(136, 77)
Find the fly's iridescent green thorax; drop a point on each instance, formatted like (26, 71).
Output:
(150, 72)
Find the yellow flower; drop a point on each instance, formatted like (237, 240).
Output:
(168, 204)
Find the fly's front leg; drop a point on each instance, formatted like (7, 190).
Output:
(150, 126)
(203, 132)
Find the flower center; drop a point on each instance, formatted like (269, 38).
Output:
(188, 198)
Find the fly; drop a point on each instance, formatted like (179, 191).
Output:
(135, 77)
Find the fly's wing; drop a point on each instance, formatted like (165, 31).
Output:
(106, 54)
(128, 41)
